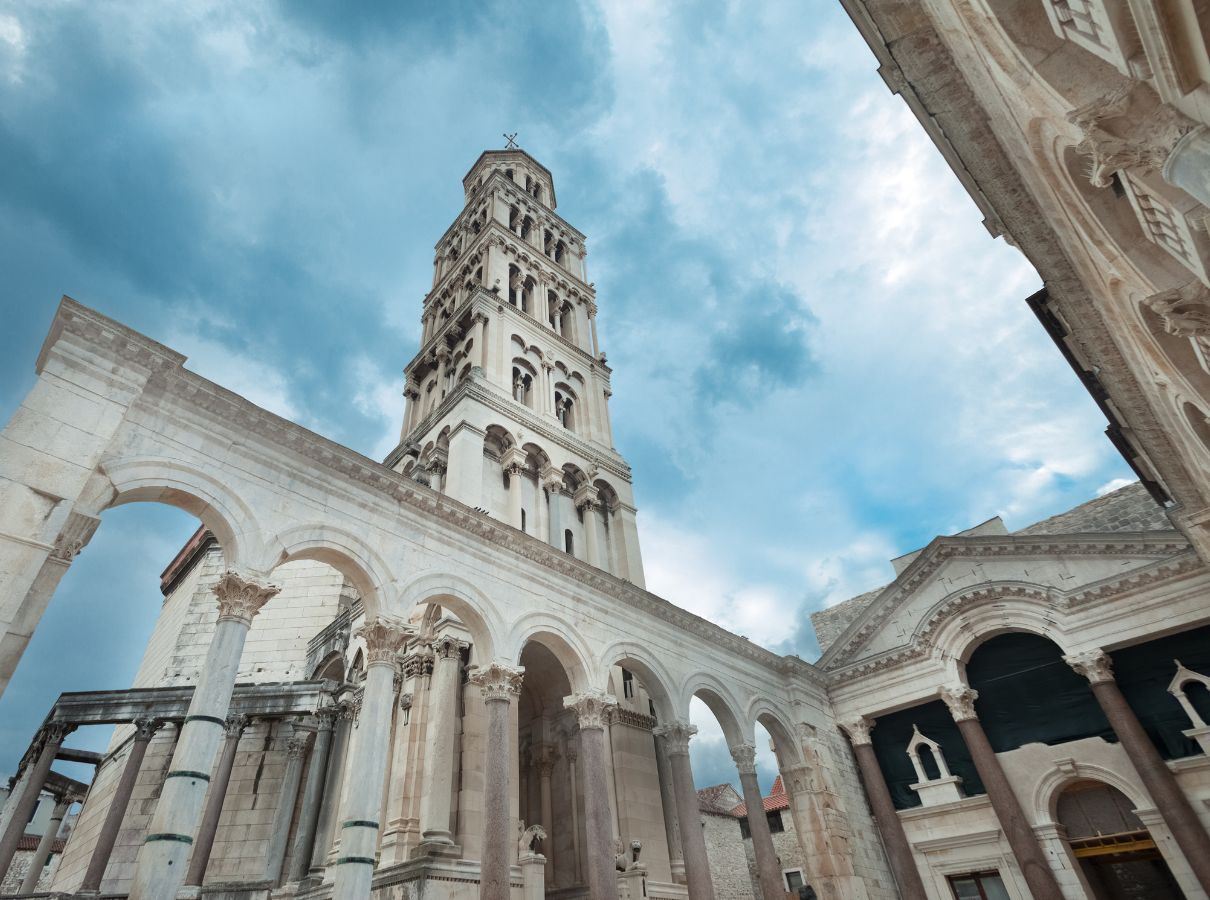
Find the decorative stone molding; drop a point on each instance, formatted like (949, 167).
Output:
(498, 682)
(858, 729)
(240, 598)
(76, 533)
(405, 701)
(623, 716)
(1142, 145)
(234, 725)
(676, 737)
(744, 755)
(1095, 665)
(384, 638)
(960, 701)
(593, 709)
(448, 647)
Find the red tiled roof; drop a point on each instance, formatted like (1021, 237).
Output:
(30, 842)
(715, 799)
(776, 800)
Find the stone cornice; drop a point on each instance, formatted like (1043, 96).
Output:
(1145, 545)
(918, 645)
(235, 412)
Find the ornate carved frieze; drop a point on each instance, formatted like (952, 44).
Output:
(744, 755)
(1095, 665)
(240, 598)
(624, 716)
(960, 700)
(498, 682)
(384, 638)
(593, 709)
(676, 737)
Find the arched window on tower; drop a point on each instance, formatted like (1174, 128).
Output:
(514, 285)
(527, 227)
(566, 325)
(560, 252)
(514, 220)
(554, 309)
(548, 242)
(569, 542)
(528, 288)
(565, 408)
(523, 384)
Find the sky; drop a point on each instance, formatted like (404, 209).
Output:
(821, 359)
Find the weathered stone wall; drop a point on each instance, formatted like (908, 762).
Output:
(20, 866)
(728, 864)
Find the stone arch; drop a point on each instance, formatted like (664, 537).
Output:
(560, 639)
(711, 691)
(464, 600)
(655, 677)
(1044, 799)
(368, 572)
(154, 480)
(333, 662)
(762, 711)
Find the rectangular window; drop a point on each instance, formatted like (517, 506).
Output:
(978, 886)
(627, 684)
(776, 826)
(793, 879)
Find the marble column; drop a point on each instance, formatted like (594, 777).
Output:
(1169, 799)
(571, 749)
(514, 470)
(24, 795)
(768, 870)
(215, 797)
(384, 638)
(1031, 859)
(544, 758)
(304, 840)
(144, 730)
(329, 808)
(42, 853)
(439, 759)
(592, 536)
(898, 850)
(593, 710)
(556, 490)
(672, 828)
(287, 800)
(1188, 165)
(693, 843)
(161, 863)
(500, 684)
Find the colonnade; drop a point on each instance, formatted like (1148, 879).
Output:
(1095, 665)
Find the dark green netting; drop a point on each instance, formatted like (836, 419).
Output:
(891, 736)
(1028, 695)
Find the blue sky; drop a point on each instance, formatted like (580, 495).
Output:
(821, 359)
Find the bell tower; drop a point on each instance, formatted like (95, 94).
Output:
(508, 397)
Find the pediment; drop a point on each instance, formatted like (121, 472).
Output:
(952, 571)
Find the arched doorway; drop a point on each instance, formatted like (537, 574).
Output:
(1114, 849)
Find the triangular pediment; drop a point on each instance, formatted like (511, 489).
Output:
(954, 570)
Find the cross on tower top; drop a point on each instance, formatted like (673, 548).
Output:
(512, 141)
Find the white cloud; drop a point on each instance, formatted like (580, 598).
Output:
(1113, 485)
(252, 379)
(380, 399)
(13, 43)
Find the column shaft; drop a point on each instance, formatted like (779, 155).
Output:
(514, 496)
(672, 828)
(304, 840)
(592, 548)
(494, 868)
(556, 518)
(547, 818)
(38, 863)
(1033, 862)
(768, 872)
(602, 882)
(1170, 800)
(25, 796)
(117, 811)
(283, 816)
(214, 803)
(329, 809)
(436, 801)
(693, 843)
(898, 850)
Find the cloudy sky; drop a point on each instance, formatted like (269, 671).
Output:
(821, 359)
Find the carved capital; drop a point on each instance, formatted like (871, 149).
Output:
(296, 747)
(1185, 311)
(593, 709)
(55, 732)
(543, 757)
(325, 718)
(858, 729)
(744, 755)
(145, 729)
(498, 682)
(235, 725)
(448, 647)
(676, 737)
(240, 598)
(77, 532)
(1095, 665)
(384, 638)
(960, 701)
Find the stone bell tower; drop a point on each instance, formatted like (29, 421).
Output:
(508, 397)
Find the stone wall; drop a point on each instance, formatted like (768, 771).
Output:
(20, 866)
(728, 863)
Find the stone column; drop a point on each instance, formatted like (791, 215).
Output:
(161, 863)
(329, 808)
(548, 389)
(287, 799)
(1030, 857)
(554, 486)
(672, 828)
(42, 853)
(435, 802)
(693, 843)
(544, 757)
(384, 638)
(215, 797)
(592, 537)
(571, 750)
(768, 871)
(480, 338)
(464, 465)
(304, 840)
(593, 710)
(1169, 799)
(24, 795)
(499, 684)
(144, 730)
(514, 470)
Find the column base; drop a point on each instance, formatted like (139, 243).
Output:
(443, 848)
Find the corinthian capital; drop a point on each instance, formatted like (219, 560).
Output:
(1185, 311)
(241, 598)
(384, 638)
(744, 755)
(498, 682)
(1095, 665)
(448, 647)
(593, 709)
(961, 702)
(858, 729)
(676, 737)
